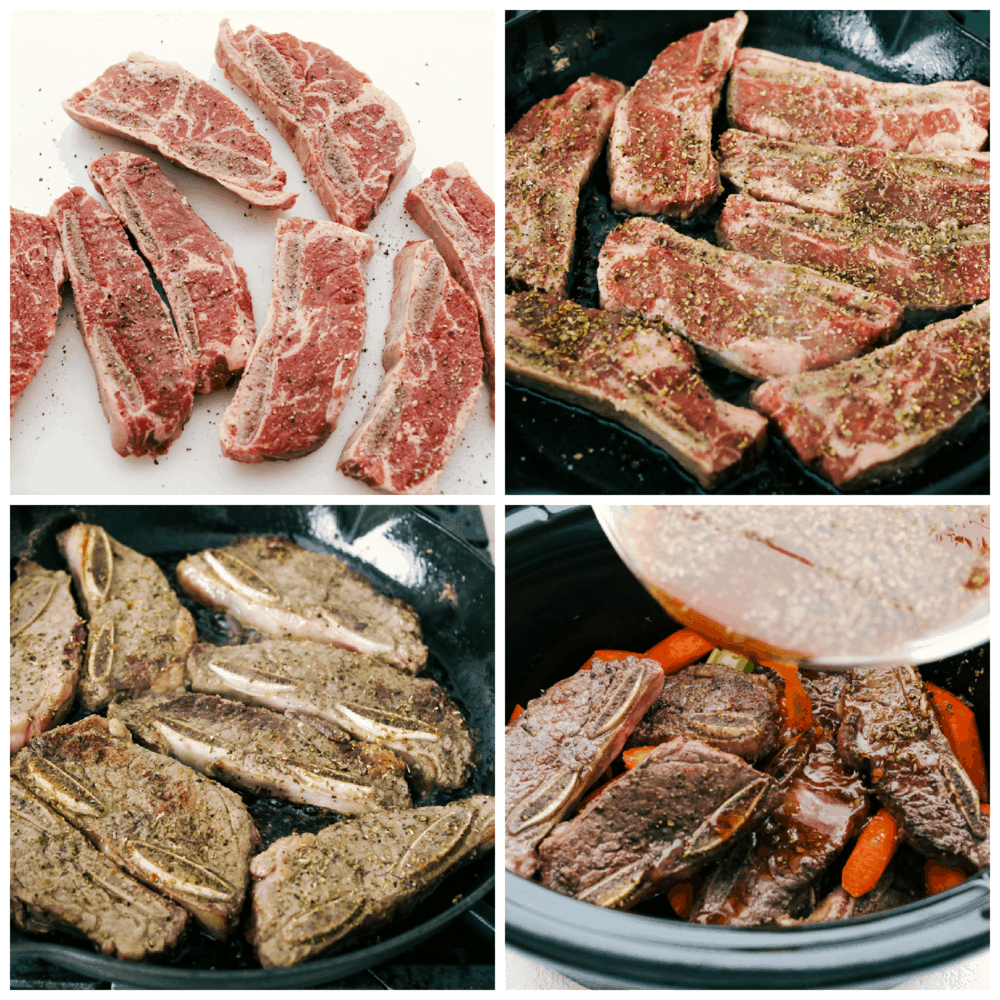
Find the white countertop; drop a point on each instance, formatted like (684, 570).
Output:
(439, 67)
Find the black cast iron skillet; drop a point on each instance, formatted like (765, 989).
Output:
(406, 554)
(553, 447)
(567, 594)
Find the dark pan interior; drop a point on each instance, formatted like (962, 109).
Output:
(406, 554)
(567, 594)
(553, 447)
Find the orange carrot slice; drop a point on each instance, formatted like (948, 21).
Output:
(680, 649)
(681, 897)
(958, 722)
(517, 711)
(938, 877)
(636, 756)
(871, 855)
(606, 656)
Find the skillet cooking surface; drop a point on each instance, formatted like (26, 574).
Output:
(406, 554)
(553, 447)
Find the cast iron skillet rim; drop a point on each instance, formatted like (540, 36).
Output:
(88, 962)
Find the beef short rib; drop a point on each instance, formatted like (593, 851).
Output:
(47, 637)
(207, 291)
(433, 360)
(266, 753)
(660, 150)
(919, 266)
(864, 421)
(635, 372)
(314, 893)
(951, 188)
(165, 824)
(562, 741)
(37, 274)
(762, 319)
(890, 733)
(139, 633)
(550, 153)
(353, 693)
(300, 369)
(664, 820)
(460, 217)
(799, 101)
(352, 139)
(163, 106)
(280, 589)
(144, 375)
(60, 881)
(725, 708)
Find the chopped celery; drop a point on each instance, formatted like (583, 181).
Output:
(725, 658)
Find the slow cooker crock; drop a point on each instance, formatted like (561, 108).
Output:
(569, 594)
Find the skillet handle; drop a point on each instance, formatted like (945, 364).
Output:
(481, 919)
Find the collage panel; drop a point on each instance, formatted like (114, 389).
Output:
(252, 747)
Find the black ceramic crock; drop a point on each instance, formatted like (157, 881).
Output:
(567, 594)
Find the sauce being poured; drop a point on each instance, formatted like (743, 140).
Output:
(825, 586)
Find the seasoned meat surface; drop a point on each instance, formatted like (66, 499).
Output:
(139, 633)
(356, 694)
(671, 815)
(562, 741)
(165, 824)
(313, 893)
(46, 645)
(267, 753)
(890, 733)
(725, 708)
(60, 881)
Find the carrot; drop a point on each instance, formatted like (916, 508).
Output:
(680, 649)
(517, 711)
(681, 897)
(796, 703)
(636, 756)
(606, 656)
(871, 855)
(958, 723)
(985, 808)
(938, 877)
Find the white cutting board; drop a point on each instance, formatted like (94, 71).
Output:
(439, 67)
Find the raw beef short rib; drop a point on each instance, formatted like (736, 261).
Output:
(60, 881)
(759, 318)
(433, 360)
(460, 217)
(47, 637)
(352, 140)
(165, 824)
(786, 98)
(347, 693)
(139, 633)
(550, 153)
(862, 422)
(948, 188)
(207, 291)
(918, 266)
(660, 158)
(163, 106)
(266, 753)
(313, 893)
(37, 274)
(281, 590)
(300, 369)
(143, 373)
(635, 372)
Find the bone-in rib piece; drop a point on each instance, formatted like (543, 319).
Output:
(660, 150)
(206, 289)
(433, 360)
(460, 217)
(759, 318)
(143, 373)
(37, 274)
(352, 139)
(163, 106)
(300, 369)
(165, 824)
